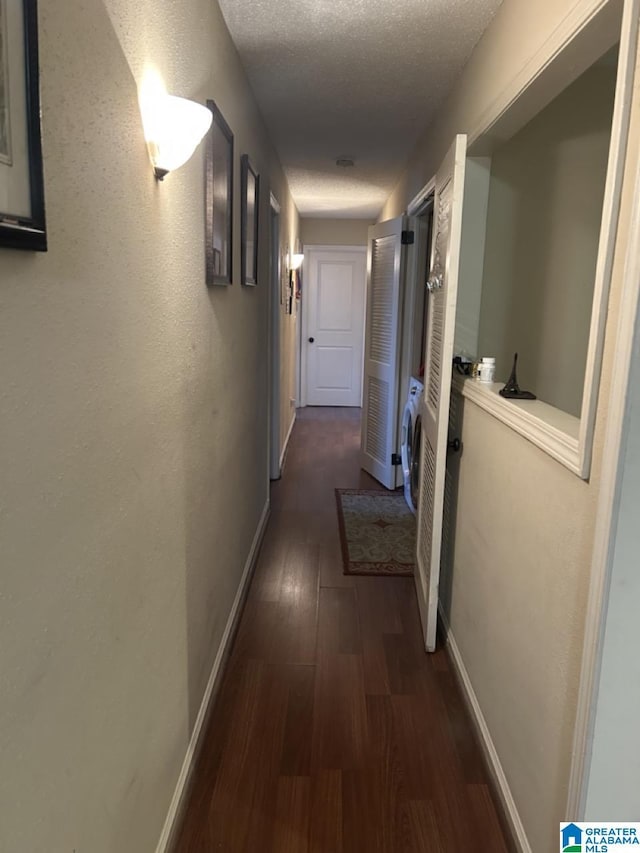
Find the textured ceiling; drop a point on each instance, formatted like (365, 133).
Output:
(355, 78)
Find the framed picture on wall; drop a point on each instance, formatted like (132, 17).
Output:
(219, 200)
(22, 219)
(293, 291)
(284, 274)
(250, 181)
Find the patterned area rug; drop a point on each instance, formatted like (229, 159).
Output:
(377, 531)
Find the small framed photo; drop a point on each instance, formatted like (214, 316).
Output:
(22, 219)
(284, 274)
(219, 200)
(249, 222)
(290, 301)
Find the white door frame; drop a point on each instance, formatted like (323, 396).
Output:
(606, 520)
(414, 297)
(304, 325)
(273, 444)
(446, 249)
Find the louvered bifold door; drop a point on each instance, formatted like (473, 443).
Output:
(442, 284)
(381, 351)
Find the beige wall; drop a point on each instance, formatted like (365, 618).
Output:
(133, 457)
(523, 537)
(334, 232)
(543, 229)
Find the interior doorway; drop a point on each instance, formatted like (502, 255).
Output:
(333, 326)
(398, 262)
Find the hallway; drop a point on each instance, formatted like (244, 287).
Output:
(333, 730)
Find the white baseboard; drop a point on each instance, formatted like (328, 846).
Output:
(182, 786)
(286, 441)
(488, 747)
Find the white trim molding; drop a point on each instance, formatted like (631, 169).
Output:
(608, 502)
(489, 750)
(550, 429)
(176, 807)
(609, 227)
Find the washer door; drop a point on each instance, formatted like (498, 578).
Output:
(414, 466)
(407, 441)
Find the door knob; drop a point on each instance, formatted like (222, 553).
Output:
(455, 445)
(311, 340)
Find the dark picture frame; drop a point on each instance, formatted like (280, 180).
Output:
(23, 224)
(284, 275)
(250, 201)
(293, 283)
(218, 195)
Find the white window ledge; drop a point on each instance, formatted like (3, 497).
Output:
(550, 429)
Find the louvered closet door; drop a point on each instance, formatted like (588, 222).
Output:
(443, 290)
(381, 351)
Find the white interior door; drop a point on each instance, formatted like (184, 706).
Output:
(335, 291)
(382, 351)
(443, 290)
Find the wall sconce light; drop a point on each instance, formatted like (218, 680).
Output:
(295, 261)
(173, 129)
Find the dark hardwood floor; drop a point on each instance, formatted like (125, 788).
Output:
(333, 731)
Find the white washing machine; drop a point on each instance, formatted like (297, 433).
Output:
(411, 439)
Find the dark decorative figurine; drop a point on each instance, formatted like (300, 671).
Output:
(512, 390)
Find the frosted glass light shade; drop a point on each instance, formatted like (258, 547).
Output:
(173, 128)
(295, 261)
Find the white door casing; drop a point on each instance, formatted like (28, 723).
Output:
(443, 290)
(417, 257)
(382, 351)
(335, 294)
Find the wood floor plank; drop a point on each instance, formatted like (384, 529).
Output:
(378, 615)
(233, 786)
(325, 827)
(387, 771)
(256, 633)
(408, 673)
(485, 819)
(339, 736)
(265, 751)
(462, 735)
(432, 770)
(331, 566)
(296, 749)
(293, 813)
(267, 578)
(423, 833)
(296, 628)
(338, 623)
